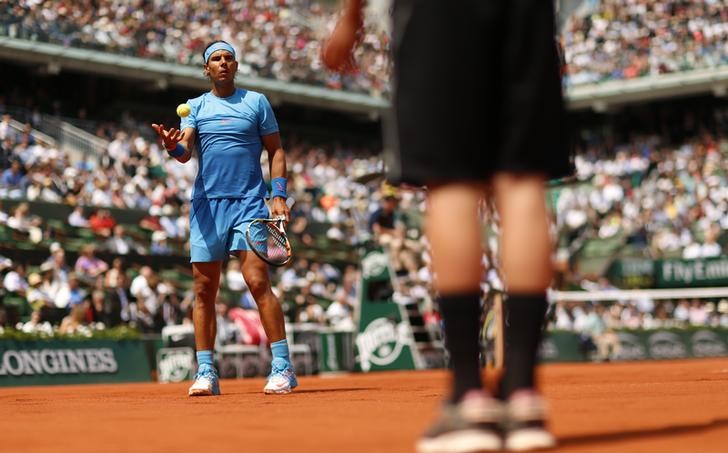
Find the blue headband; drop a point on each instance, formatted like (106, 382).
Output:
(218, 46)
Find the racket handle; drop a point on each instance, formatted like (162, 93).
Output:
(290, 201)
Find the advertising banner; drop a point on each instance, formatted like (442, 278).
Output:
(673, 273)
(49, 362)
(692, 273)
(561, 346)
(385, 340)
(175, 364)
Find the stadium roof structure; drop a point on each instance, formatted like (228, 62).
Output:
(165, 74)
(599, 97)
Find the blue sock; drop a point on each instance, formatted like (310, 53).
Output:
(204, 358)
(279, 349)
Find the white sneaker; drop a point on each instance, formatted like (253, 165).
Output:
(472, 425)
(206, 383)
(282, 378)
(527, 423)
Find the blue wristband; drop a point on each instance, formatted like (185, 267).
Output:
(178, 151)
(278, 187)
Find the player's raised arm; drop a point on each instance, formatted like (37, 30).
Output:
(338, 50)
(178, 143)
(278, 172)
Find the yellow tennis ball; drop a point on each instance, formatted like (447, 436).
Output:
(183, 110)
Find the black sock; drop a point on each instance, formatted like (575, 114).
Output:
(524, 323)
(461, 316)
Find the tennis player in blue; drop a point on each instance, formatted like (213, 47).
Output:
(229, 127)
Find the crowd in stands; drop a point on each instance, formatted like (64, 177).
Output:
(667, 200)
(277, 39)
(280, 39)
(331, 214)
(643, 313)
(626, 39)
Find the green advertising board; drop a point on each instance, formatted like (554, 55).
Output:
(673, 343)
(49, 362)
(672, 273)
(336, 350)
(385, 340)
(632, 273)
(562, 346)
(175, 364)
(691, 273)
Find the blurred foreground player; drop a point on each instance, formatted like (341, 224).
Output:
(229, 127)
(477, 101)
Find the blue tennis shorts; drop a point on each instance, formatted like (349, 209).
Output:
(217, 226)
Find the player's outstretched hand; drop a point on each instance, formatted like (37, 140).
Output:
(170, 137)
(337, 52)
(279, 209)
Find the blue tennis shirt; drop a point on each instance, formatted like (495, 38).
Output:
(229, 143)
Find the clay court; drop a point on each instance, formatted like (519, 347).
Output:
(678, 406)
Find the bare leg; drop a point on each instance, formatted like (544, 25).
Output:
(525, 242)
(255, 272)
(453, 229)
(207, 281)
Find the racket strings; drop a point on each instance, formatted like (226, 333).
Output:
(275, 236)
(269, 242)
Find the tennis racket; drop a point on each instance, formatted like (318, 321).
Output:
(267, 238)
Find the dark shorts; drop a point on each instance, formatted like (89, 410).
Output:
(477, 91)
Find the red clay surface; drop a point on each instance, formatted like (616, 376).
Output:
(679, 406)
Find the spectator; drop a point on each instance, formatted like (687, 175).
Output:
(24, 222)
(36, 324)
(36, 296)
(385, 223)
(234, 280)
(57, 261)
(115, 275)
(697, 314)
(71, 294)
(13, 181)
(77, 219)
(144, 289)
(14, 281)
(6, 130)
(99, 310)
(171, 308)
(102, 223)
(74, 322)
(88, 266)
(121, 244)
(151, 221)
(159, 245)
(602, 334)
(339, 313)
